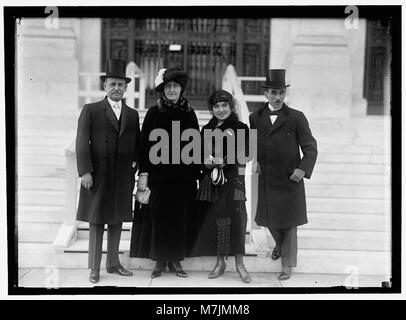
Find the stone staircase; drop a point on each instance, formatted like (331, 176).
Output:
(348, 201)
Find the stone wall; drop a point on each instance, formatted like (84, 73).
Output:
(324, 62)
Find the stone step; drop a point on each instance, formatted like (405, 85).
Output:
(51, 123)
(351, 149)
(37, 232)
(347, 222)
(37, 255)
(345, 205)
(352, 158)
(83, 231)
(49, 139)
(41, 198)
(348, 191)
(353, 179)
(333, 240)
(41, 183)
(35, 170)
(24, 150)
(55, 160)
(45, 214)
(359, 168)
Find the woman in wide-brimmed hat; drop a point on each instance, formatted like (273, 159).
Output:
(222, 190)
(160, 231)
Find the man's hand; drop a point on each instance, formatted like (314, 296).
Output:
(297, 175)
(87, 180)
(142, 184)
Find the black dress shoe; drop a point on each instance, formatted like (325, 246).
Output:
(176, 267)
(276, 253)
(94, 276)
(158, 269)
(119, 270)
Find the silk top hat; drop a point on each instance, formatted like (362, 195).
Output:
(275, 79)
(115, 69)
(171, 74)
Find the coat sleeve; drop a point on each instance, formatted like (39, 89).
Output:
(307, 144)
(137, 141)
(144, 143)
(83, 142)
(195, 125)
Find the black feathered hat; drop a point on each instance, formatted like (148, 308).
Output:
(171, 74)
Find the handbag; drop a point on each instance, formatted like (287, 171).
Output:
(143, 196)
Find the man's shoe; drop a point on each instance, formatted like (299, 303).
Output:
(276, 253)
(285, 274)
(94, 276)
(119, 270)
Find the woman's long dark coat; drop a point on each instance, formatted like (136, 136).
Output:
(226, 204)
(281, 202)
(161, 229)
(109, 152)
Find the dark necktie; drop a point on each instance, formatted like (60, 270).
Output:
(273, 113)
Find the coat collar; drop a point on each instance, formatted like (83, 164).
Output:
(265, 121)
(112, 117)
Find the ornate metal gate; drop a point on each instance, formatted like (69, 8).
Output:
(202, 47)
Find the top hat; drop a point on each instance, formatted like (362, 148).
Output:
(275, 79)
(171, 74)
(115, 69)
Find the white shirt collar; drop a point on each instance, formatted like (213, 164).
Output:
(112, 103)
(270, 107)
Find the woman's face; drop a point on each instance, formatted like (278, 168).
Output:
(172, 91)
(221, 110)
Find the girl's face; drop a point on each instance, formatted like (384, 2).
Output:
(221, 110)
(172, 91)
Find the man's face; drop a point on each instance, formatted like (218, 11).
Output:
(115, 88)
(275, 97)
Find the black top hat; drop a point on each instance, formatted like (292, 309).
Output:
(115, 69)
(171, 74)
(275, 79)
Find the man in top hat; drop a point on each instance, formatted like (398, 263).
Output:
(106, 149)
(281, 205)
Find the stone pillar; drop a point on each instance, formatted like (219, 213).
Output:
(47, 75)
(320, 69)
(356, 39)
(318, 62)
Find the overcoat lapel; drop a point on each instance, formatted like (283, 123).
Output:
(264, 120)
(124, 118)
(110, 114)
(280, 120)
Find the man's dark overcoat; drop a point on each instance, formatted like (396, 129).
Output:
(107, 148)
(282, 202)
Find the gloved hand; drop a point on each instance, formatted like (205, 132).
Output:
(297, 175)
(142, 184)
(87, 180)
